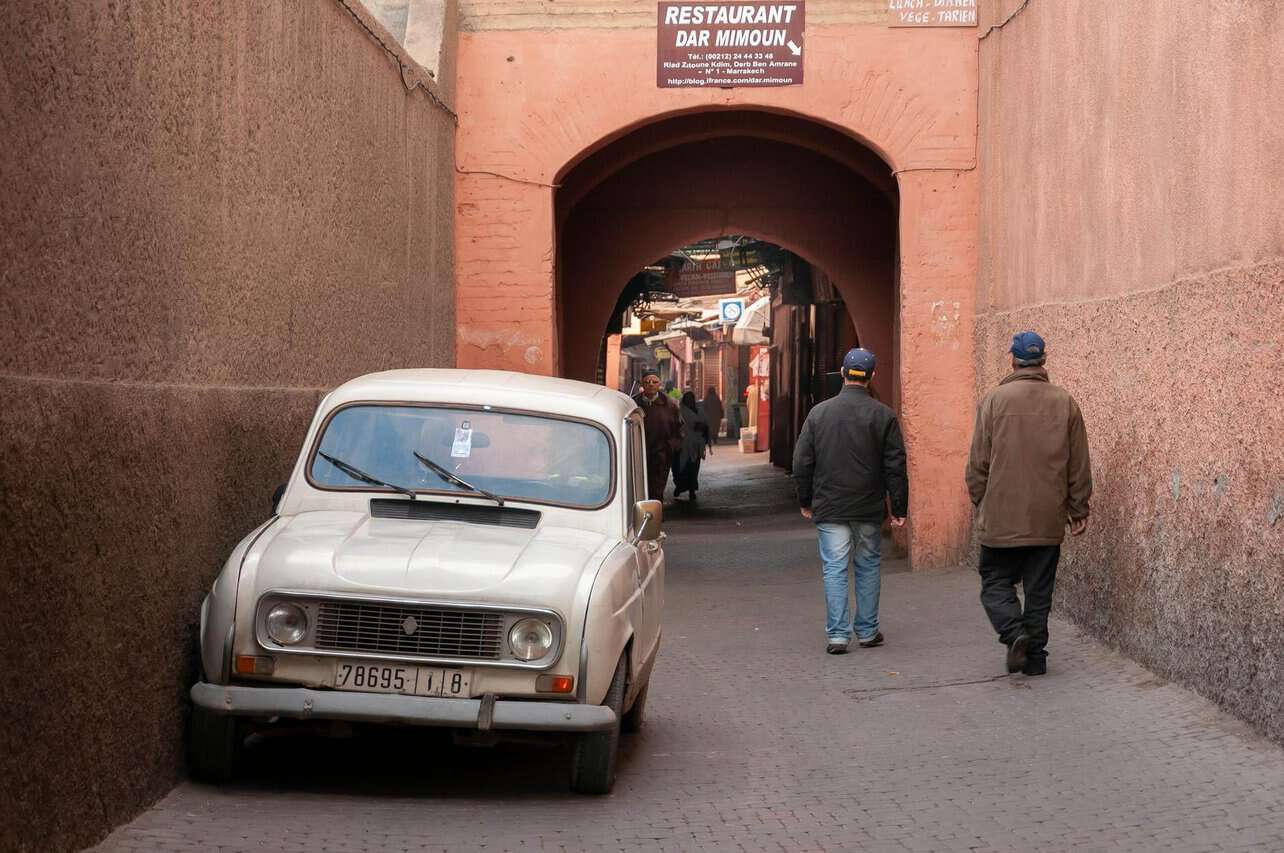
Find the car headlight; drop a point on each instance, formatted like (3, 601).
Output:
(530, 639)
(287, 623)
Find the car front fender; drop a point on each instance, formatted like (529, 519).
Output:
(218, 612)
(611, 619)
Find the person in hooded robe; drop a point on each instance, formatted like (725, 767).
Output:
(711, 405)
(686, 473)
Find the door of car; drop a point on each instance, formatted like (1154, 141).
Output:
(650, 555)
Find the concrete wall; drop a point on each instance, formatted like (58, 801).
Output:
(209, 213)
(1133, 212)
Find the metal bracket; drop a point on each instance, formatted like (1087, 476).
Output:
(486, 713)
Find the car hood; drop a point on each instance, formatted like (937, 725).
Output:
(352, 553)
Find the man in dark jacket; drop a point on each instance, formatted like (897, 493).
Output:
(850, 458)
(663, 426)
(1030, 474)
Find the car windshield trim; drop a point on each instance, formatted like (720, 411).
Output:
(611, 445)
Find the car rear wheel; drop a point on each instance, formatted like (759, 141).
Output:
(216, 745)
(594, 754)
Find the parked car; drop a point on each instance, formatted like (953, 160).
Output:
(465, 549)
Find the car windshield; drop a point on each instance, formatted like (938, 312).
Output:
(518, 456)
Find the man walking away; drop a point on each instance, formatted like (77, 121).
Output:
(850, 458)
(663, 427)
(1029, 473)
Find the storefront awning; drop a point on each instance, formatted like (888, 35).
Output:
(748, 329)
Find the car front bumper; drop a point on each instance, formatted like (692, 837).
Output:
(486, 714)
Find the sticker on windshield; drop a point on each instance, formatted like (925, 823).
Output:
(463, 446)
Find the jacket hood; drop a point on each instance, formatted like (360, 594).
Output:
(351, 552)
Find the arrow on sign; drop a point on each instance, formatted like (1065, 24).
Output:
(795, 49)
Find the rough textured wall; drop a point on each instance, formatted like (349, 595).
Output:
(208, 214)
(1133, 212)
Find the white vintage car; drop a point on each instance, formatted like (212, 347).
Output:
(465, 549)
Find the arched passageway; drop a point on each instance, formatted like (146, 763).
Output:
(786, 180)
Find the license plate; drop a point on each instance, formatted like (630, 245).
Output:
(414, 680)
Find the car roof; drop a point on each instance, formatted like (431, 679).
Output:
(500, 388)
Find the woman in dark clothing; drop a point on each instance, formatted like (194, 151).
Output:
(711, 406)
(686, 472)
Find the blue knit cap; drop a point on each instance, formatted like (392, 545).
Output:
(1027, 346)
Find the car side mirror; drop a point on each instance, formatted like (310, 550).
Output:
(648, 518)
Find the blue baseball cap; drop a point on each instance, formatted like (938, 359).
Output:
(1027, 346)
(858, 364)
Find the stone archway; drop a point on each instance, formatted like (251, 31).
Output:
(528, 148)
(751, 180)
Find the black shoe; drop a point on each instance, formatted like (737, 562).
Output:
(836, 649)
(1036, 665)
(1017, 652)
(876, 640)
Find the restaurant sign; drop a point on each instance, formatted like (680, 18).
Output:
(703, 278)
(729, 44)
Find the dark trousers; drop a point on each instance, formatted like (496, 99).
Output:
(657, 475)
(1035, 568)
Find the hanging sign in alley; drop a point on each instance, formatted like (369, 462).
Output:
(729, 44)
(702, 278)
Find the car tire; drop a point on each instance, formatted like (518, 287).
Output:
(216, 744)
(594, 754)
(634, 717)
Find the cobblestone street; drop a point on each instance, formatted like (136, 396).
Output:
(757, 740)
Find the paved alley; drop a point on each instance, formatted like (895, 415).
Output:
(756, 740)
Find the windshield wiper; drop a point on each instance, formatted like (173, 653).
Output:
(357, 474)
(445, 474)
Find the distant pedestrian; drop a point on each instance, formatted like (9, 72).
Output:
(686, 471)
(849, 460)
(711, 405)
(663, 426)
(1030, 474)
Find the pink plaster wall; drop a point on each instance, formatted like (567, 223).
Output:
(1132, 210)
(534, 102)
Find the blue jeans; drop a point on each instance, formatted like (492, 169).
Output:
(836, 552)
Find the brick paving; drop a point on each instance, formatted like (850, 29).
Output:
(757, 741)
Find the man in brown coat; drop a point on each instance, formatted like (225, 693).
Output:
(1030, 474)
(663, 426)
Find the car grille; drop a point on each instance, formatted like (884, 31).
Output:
(408, 630)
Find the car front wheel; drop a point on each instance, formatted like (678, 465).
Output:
(632, 722)
(217, 741)
(594, 754)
